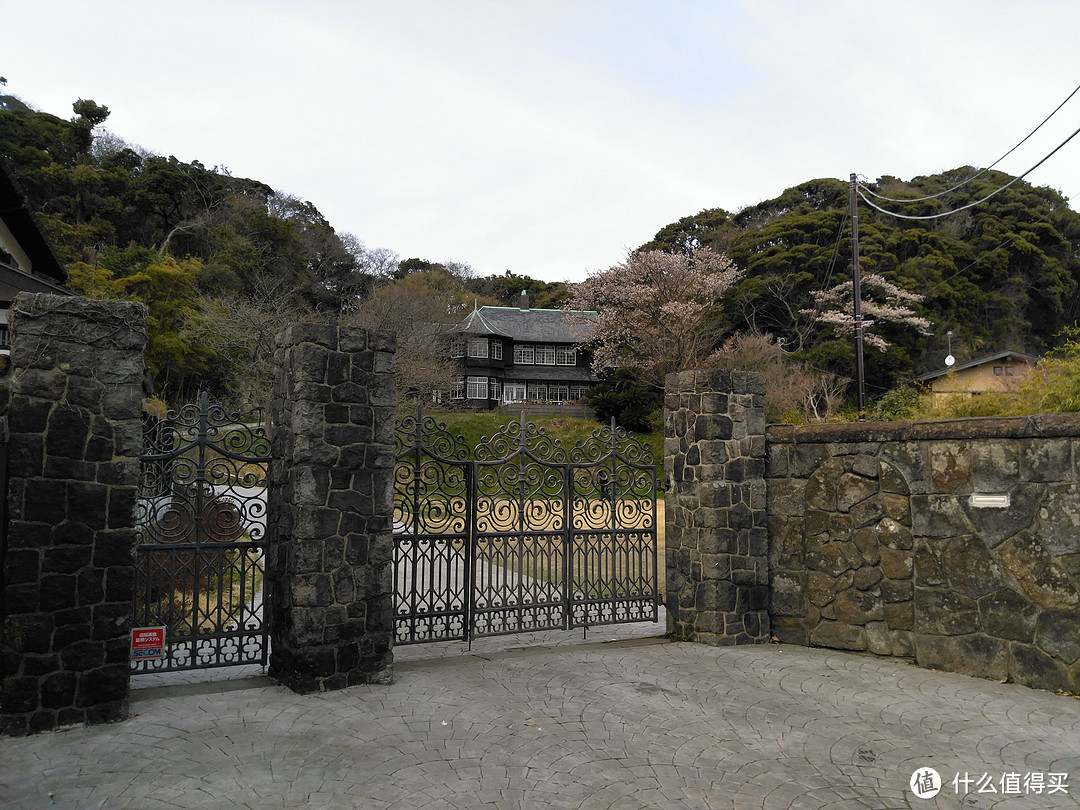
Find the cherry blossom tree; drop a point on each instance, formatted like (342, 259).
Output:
(657, 312)
(890, 305)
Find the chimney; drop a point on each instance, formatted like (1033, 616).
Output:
(523, 301)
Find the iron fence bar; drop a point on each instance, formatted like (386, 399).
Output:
(225, 544)
(200, 505)
(568, 545)
(414, 542)
(177, 503)
(202, 435)
(608, 577)
(470, 551)
(655, 545)
(430, 566)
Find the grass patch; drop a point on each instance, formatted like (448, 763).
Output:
(475, 427)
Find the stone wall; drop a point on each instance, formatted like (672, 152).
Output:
(330, 569)
(70, 410)
(877, 544)
(716, 536)
(74, 401)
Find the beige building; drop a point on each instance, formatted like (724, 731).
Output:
(993, 372)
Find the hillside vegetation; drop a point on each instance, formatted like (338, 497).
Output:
(224, 263)
(1002, 275)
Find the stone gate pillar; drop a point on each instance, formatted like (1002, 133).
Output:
(331, 546)
(73, 398)
(716, 529)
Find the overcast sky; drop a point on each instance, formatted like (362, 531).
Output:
(546, 137)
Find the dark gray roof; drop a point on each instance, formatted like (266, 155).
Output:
(979, 361)
(477, 324)
(539, 325)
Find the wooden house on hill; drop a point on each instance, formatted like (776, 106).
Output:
(519, 354)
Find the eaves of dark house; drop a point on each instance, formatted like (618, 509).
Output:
(38, 269)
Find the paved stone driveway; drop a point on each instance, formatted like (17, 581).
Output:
(627, 724)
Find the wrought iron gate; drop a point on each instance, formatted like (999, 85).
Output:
(201, 528)
(520, 533)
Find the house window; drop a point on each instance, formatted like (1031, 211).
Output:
(457, 389)
(1008, 371)
(457, 347)
(477, 388)
(578, 391)
(496, 349)
(524, 353)
(514, 392)
(478, 347)
(545, 354)
(538, 392)
(559, 392)
(566, 356)
(496, 387)
(997, 371)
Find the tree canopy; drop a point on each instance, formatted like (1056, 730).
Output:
(190, 241)
(1001, 275)
(204, 249)
(222, 262)
(656, 311)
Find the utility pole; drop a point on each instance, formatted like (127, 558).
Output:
(857, 285)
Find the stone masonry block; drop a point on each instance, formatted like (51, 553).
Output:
(338, 543)
(323, 335)
(712, 510)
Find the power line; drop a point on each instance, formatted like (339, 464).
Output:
(969, 205)
(983, 255)
(832, 262)
(981, 171)
(828, 276)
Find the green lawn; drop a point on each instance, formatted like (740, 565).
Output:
(472, 427)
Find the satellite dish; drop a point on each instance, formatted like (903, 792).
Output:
(950, 360)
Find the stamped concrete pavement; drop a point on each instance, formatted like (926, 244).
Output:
(623, 724)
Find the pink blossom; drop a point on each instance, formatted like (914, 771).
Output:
(834, 308)
(653, 310)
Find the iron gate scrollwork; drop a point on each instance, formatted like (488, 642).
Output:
(521, 533)
(201, 537)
